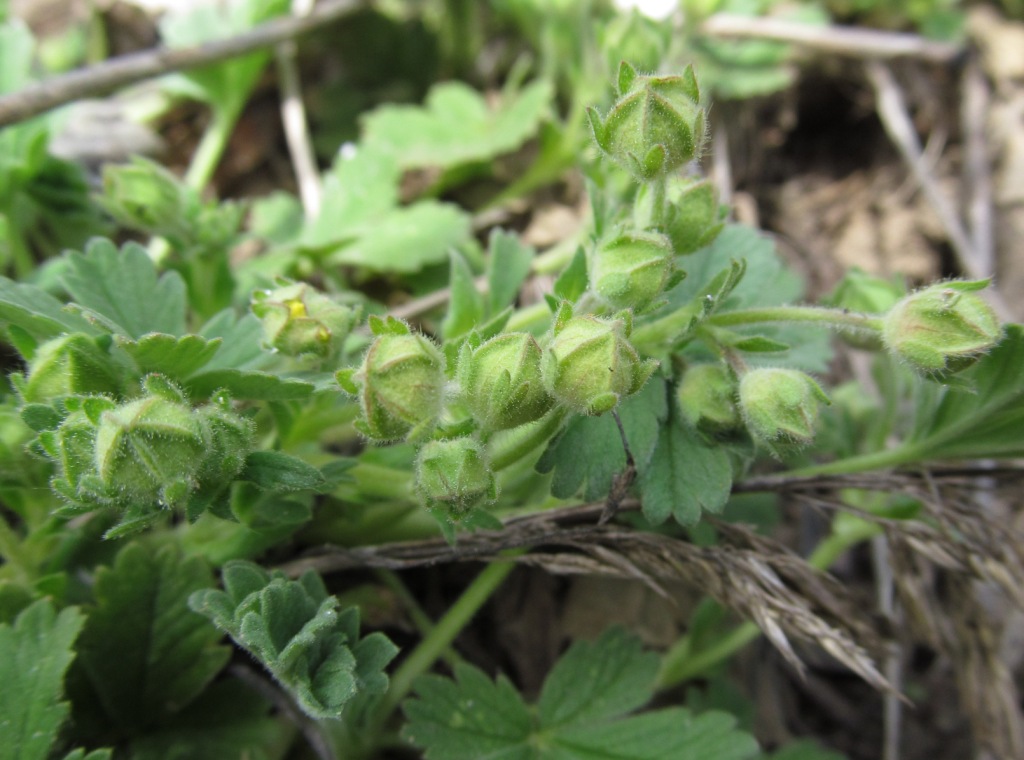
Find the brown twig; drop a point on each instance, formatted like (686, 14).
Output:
(834, 40)
(124, 70)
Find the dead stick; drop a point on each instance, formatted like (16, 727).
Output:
(128, 69)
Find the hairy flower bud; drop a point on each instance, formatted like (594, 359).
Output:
(68, 365)
(780, 406)
(72, 447)
(694, 216)
(655, 127)
(501, 382)
(943, 328)
(631, 269)
(230, 439)
(143, 195)
(454, 477)
(150, 449)
(589, 365)
(707, 398)
(297, 319)
(400, 383)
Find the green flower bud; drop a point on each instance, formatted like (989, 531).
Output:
(780, 406)
(631, 269)
(589, 365)
(707, 399)
(400, 383)
(942, 329)
(501, 382)
(297, 320)
(69, 365)
(150, 449)
(694, 216)
(454, 477)
(143, 195)
(72, 447)
(230, 439)
(655, 127)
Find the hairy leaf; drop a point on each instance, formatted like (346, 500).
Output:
(300, 634)
(589, 453)
(34, 653)
(248, 385)
(276, 471)
(121, 290)
(582, 714)
(37, 312)
(173, 356)
(144, 653)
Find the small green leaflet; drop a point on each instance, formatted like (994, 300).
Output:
(589, 453)
(143, 654)
(172, 356)
(685, 476)
(276, 471)
(300, 634)
(466, 306)
(121, 291)
(582, 713)
(37, 312)
(34, 653)
(456, 126)
(508, 265)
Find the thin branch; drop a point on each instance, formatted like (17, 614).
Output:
(834, 40)
(892, 110)
(977, 174)
(293, 116)
(124, 70)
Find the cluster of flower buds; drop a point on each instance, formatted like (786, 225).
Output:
(400, 383)
(780, 406)
(942, 329)
(589, 365)
(149, 452)
(500, 381)
(299, 320)
(655, 127)
(631, 269)
(453, 477)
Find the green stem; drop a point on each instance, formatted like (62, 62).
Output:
(212, 145)
(419, 618)
(509, 450)
(660, 202)
(381, 482)
(876, 460)
(824, 316)
(441, 637)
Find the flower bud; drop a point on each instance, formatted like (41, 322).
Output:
(630, 270)
(501, 382)
(590, 364)
(400, 383)
(230, 439)
(297, 319)
(655, 127)
(150, 448)
(943, 328)
(72, 447)
(144, 196)
(780, 406)
(68, 365)
(707, 399)
(454, 477)
(694, 217)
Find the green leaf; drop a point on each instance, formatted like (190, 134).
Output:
(466, 306)
(685, 476)
(96, 754)
(241, 342)
(121, 291)
(170, 355)
(508, 264)
(34, 653)
(984, 422)
(228, 720)
(144, 653)
(589, 453)
(456, 126)
(300, 634)
(275, 471)
(408, 239)
(572, 282)
(37, 312)
(582, 713)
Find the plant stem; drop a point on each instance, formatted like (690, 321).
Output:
(660, 202)
(212, 145)
(416, 614)
(510, 450)
(824, 316)
(443, 634)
